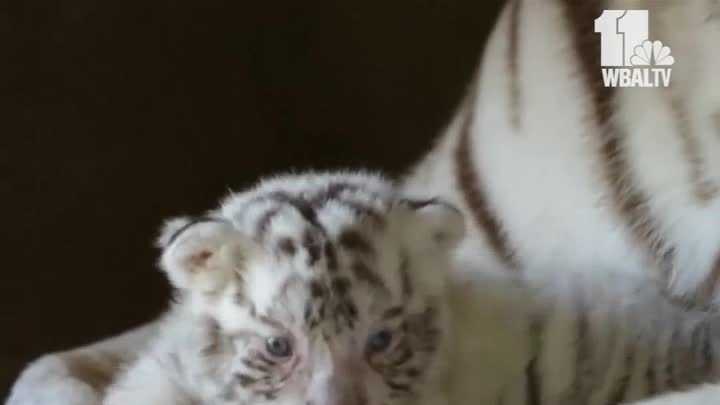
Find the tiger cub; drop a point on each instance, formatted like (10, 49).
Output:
(315, 289)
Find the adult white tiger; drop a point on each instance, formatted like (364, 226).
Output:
(559, 173)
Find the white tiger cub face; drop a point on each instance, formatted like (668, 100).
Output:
(322, 290)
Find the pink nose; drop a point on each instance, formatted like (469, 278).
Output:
(346, 394)
(338, 378)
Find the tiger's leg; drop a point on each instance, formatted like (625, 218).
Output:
(78, 376)
(702, 395)
(148, 381)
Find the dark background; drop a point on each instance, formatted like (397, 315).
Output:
(117, 114)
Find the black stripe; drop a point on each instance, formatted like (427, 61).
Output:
(393, 312)
(213, 345)
(473, 190)
(701, 343)
(270, 395)
(302, 206)
(420, 204)
(340, 286)
(703, 188)
(605, 362)
(308, 313)
(580, 389)
(269, 322)
(629, 201)
(706, 291)
(264, 358)
(264, 222)
(707, 352)
(363, 210)
(263, 368)
(353, 240)
(533, 382)
(193, 222)
(685, 363)
(331, 258)
(398, 386)
(413, 372)
(651, 368)
(670, 381)
(312, 246)
(334, 192)
(317, 290)
(287, 246)
(403, 355)
(245, 380)
(651, 376)
(623, 383)
(363, 273)
(406, 284)
(417, 204)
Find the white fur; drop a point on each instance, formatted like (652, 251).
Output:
(53, 379)
(703, 395)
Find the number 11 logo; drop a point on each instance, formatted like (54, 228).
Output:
(625, 47)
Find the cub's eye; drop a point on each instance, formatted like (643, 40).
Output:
(279, 346)
(379, 341)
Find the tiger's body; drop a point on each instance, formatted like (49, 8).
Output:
(561, 174)
(561, 179)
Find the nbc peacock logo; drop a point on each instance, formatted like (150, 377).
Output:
(627, 56)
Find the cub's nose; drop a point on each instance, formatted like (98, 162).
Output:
(347, 393)
(340, 387)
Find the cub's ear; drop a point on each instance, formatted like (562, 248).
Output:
(202, 254)
(433, 221)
